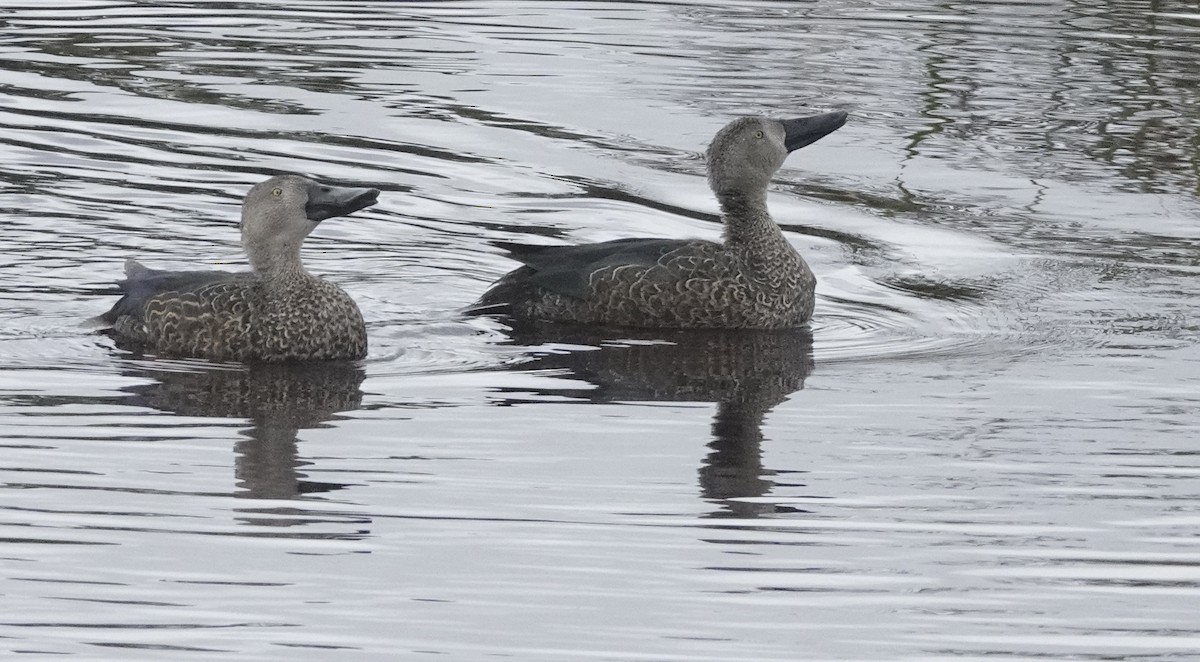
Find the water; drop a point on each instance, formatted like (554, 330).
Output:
(984, 450)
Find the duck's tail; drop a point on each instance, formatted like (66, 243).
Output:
(134, 271)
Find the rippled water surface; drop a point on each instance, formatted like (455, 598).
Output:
(985, 449)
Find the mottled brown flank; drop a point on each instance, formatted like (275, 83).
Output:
(704, 285)
(756, 280)
(295, 318)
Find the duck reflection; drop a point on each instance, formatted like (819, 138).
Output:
(278, 399)
(746, 373)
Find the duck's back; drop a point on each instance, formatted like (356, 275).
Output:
(663, 283)
(226, 316)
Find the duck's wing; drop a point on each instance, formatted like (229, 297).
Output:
(183, 313)
(568, 270)
(142, 284)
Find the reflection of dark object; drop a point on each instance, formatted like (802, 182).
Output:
(928, 288)
(746, 373)
(277, 312)
(279, 400)
(755, 279)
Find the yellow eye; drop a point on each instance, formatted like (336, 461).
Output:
(277, 191)
(758, 134)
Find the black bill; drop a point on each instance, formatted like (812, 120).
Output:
(326, 201)
(804, 131)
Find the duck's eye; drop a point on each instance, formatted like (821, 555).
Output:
(758, 134)
(277, 191)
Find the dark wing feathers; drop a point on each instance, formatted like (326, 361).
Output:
(142, 284)
(567, 269)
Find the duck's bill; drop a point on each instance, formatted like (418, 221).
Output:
(804, 131)
(326, 201)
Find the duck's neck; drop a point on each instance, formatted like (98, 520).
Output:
(277, 263)
(747, 223)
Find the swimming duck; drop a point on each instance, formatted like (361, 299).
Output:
(754, 279)
(276, 312)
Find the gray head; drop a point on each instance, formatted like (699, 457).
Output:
(279, 213)
(746, 153)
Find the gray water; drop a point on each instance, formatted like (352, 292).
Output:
(986, 449)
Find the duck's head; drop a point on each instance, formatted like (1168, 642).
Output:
(279, 213)
(745, 154)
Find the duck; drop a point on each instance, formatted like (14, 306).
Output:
(752, 279)
(276, 312)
